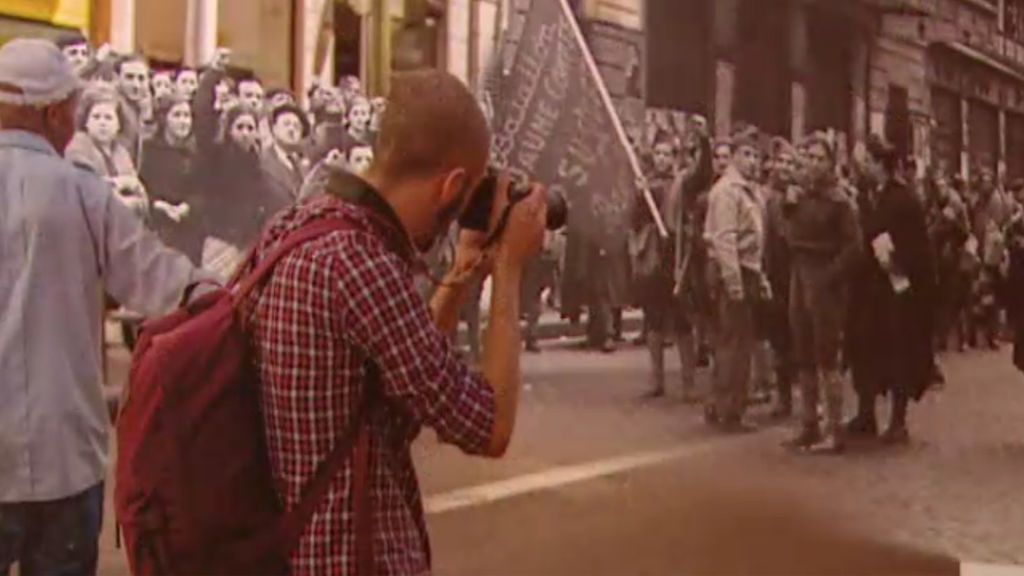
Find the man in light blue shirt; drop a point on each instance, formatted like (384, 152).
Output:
(65, 240)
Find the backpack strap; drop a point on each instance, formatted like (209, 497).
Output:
(304, 234)
(354, 443)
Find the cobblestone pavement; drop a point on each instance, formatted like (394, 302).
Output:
(738, 505)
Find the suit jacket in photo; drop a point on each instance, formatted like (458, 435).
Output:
(284, 178)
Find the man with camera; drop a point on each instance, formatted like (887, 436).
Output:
(343, 339)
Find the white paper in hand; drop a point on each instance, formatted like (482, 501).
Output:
(883, 247)
(900, 283)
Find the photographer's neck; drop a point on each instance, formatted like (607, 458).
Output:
(402, 201)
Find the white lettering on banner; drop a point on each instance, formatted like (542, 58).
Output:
(529, 67)
(549, 101)
(552, 122)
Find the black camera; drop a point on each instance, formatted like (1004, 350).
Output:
(477, 214)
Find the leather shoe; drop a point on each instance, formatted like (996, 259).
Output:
(862, 428)
(894, 435)
(832, 444)
(711, 417)
(809, 436)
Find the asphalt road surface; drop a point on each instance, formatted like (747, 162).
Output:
(600, 482)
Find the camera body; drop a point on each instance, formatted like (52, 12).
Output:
(477, 215)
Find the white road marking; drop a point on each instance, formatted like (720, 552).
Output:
(558, 477)
(970, 569)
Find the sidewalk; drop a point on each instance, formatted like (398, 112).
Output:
(553, 327)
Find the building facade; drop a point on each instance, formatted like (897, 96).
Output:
(45, 18)
(287, 43)
(942, 79)
(955, 68)
(786, 66)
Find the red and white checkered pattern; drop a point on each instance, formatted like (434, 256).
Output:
(329, 306)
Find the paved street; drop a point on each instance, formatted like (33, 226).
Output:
(598, 482)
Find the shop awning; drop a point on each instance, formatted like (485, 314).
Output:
(66, 13)
(982, 58)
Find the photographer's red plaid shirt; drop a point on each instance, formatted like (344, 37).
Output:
(329, 306)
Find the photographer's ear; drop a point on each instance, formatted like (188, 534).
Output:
(455, 188)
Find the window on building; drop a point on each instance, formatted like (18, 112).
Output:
(419, 41)
(829, 82)
(983, 135)
(1013, 18)
(897, 121)
(763, 83)
(947, 134)
(348, 30)
(678, 59)
(1014, 146)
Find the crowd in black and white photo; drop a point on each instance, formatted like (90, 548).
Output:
(207, 156)
(786, 265)
(804, 267)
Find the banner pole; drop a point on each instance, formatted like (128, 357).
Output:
(616, 121)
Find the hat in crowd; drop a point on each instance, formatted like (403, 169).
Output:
(34, 72)
(747, 136)
(780, 146)
(72, 38)
(291, 109)
(821, 137)
(275, 92)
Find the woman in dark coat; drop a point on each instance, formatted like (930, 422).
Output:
(1015, 280)
(236, 198)
(889, 338)
(168, 159)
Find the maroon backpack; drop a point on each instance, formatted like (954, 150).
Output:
(194, 492)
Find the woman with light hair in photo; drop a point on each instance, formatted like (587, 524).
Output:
(97, 146)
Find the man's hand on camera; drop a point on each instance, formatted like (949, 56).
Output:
(470, 259)
(524, 234)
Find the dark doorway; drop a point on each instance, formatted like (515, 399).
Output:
(897, 121)
(678, 55)
(1014, 146)
(983, 135)
(830, 89)
(947, 134)
(763, 83)
(347, 41)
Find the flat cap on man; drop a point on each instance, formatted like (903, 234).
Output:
(34, 72)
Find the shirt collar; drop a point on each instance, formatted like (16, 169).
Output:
(26, 140)
(351, 188)
(732, 175)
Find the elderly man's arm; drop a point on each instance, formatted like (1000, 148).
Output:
(139, 271)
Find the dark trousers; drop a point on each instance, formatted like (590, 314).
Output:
(734, 346)
(539, 276)
(54, 538)
(898, 414)
(600, 318)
